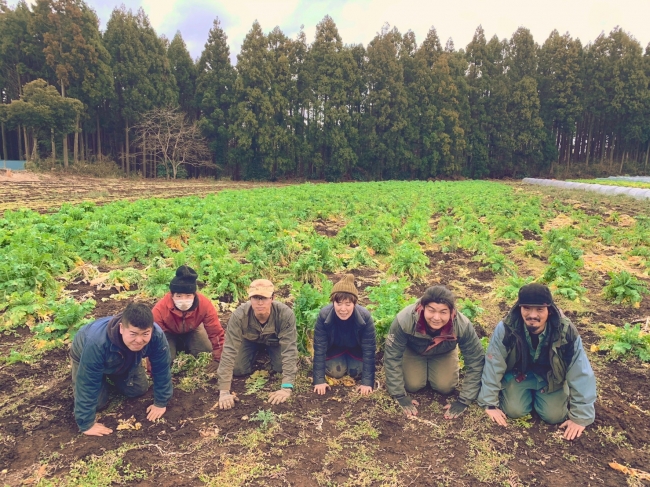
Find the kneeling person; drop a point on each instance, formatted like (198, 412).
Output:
(344, 339)
(113, 347)
(422, 346)
(536, 359)
(261, 322)
(189, 319)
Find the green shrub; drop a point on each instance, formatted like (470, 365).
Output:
(409, 259)
(624, 288)
(621, 342)
(386, 300)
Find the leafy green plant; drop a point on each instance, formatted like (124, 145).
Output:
(621, 342)
(623, 287)
(410, 260)
(386, 300)
(69, 316)
(266, 417)
(194, 370)
(562, 273)
(514, 283)
(471, 309)
(256, 382)
(308, 303)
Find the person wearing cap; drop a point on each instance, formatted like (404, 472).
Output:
(422, 346)
(259, 323)
(536, 360)
(189, 319)
(344, 340)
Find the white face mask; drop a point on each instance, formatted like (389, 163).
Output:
(183, 304)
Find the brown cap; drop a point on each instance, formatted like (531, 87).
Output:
(261, 287)
(346, 285)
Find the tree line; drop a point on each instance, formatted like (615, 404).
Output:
(395, 108)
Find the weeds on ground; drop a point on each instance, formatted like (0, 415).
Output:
(256, 382)
(609, 436)
(621, 342)
(194, 368)
(266, 417)
(624, 288)
(241, 469)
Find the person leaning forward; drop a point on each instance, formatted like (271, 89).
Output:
(421, 347)
(536, 360)
(344, 340)
(261, 322)
(189, 319)
(114, 347)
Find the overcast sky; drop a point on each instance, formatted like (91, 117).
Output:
(359, 20)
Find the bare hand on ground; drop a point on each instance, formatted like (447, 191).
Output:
(573, 430)
(227, 400)
(154, 412)
(497, 416)
(364, 390)
(98, 429)
(321, 388)
(279, 396)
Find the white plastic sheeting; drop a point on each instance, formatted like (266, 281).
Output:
(638, 193)
(637, 179)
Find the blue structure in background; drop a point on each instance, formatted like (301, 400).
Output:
(13, 165)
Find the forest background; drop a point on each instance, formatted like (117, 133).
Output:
(394, 109)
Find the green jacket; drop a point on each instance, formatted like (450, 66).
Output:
(403, 334)
(243, 325)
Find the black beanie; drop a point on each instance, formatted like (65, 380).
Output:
(184, 282)
(535, 294)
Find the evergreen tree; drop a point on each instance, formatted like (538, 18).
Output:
(185, 73)
(252, 113)
(386, 105)
(215, 94)
(143, 79)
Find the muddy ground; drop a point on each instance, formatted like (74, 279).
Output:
(336, 439)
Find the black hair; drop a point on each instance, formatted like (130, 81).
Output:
(138, 315)
(440, 295)
(341, 296)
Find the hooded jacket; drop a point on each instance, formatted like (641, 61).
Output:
(563, 361)
(98, 356)
(404, 333)
(175, 321)
(324, 339)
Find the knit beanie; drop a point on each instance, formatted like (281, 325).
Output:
(184, 282)
(345, 285)
(535, 294)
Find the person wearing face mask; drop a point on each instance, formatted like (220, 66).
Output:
(189, 319)
(344, 340)
(536, 360)
(113, 347)
(261, 323)
(422, 346)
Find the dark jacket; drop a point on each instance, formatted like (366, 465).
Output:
(324, 339)
(564, 360)
(173, 320)
(98, 356)
(404, 333)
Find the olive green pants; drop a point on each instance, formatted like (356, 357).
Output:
(440, 371)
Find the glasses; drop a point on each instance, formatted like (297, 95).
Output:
(261, 299)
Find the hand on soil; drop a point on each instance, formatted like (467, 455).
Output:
(497, 416)
(321, 388)
(98, 429)
(227, 400)
(154, 412)
(454, 410)
(411, 410)
(573, 430)
(364, 390)
(279, 396)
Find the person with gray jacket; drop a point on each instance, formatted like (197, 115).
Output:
(536, 360)
(422, 346)
(259, 323)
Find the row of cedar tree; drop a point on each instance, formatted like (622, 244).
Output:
(397, 108)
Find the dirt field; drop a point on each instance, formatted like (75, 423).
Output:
(40, 192)
(337, 439)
